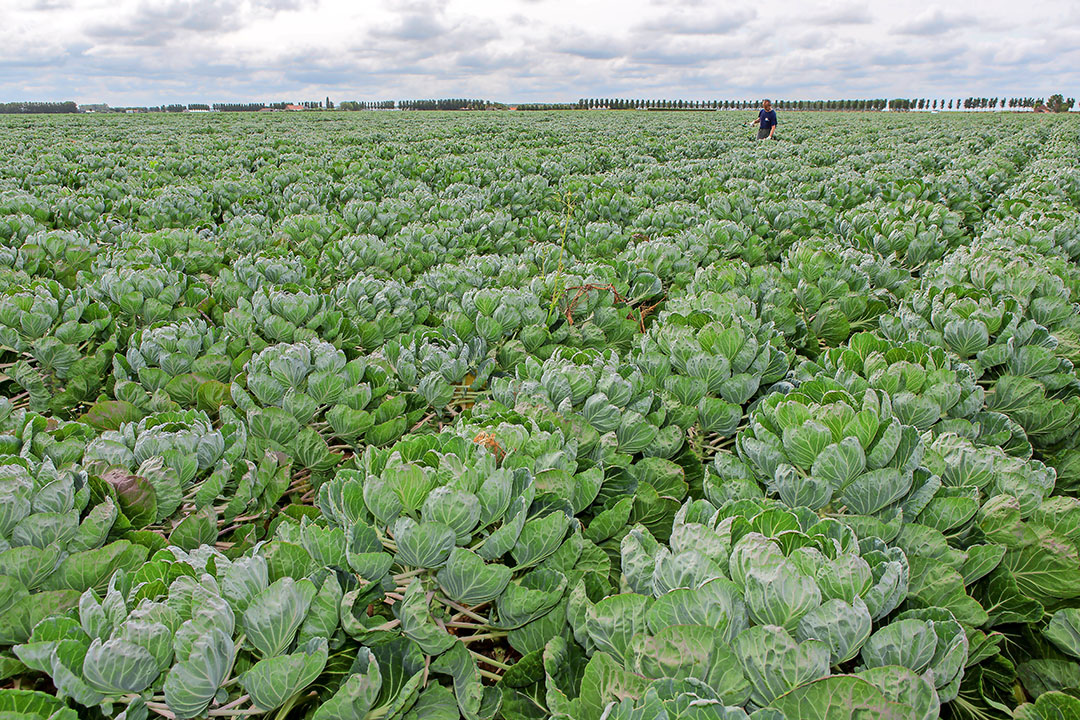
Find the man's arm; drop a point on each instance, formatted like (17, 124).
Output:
(773, 128)
(756, 120)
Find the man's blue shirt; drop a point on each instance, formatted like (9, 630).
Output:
(768, 119)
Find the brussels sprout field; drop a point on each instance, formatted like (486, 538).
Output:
(602, 416)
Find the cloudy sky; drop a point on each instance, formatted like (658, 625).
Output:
(163, 51)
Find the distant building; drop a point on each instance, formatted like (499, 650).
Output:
(294, 107)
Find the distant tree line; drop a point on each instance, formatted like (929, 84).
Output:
(25, 108)
(256, 107)
(444, 104)
(623, 104)
(865, 105)
(238, 107)
(546, 106)
(1055, 103)
(355, 105)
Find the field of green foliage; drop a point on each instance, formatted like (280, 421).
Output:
(601, 416)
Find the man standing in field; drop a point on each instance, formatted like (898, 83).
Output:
(766, 120)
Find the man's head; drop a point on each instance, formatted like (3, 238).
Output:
(767, 104)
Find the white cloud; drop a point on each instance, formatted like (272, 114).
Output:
(844, 13)
(155, 51)
(935, 21)
(696, 21)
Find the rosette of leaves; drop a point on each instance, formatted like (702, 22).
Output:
(612, 396)
(734, 286)
(1044, 287)
(955, 562)
(56, 254)
(521, 197)
(366, 254)
(186, 634)
(73, 209)
(36, 438)
(14, 229)
(539, 444)
(426, 246)
(57, 539)
(925, 384)
(230, 192)
(12, 279)
(293, 394)
(791, 219)
(139, 297)
(594, 239)
(194, 253)
(167, 461)
(393, 214)
(1056, 226)
(588, 306)
(312, 192)
(609, 201)
(358, 213)
(998, 551)
(178, 365)
(753, 605)
(738, 240)
(287, 316)
(733, 275)
(494, 231)
(466, 557)
(445, 370)
(914, 233)
(1027, 376)
(443, 286)
(506, 270)
(1040, 392)
(244, 230)
(710, 369)
(455, 201)
(642, 487)
(1046, 227)
(64, 341)
(175, 206)
(668, 218)
(1015, 569)
(253, 271)
(380, 310)
(498, 313)
(127, 252)
(837, 291)
(672, 259)
(822, 448)
(20, 202)
(306, 234)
